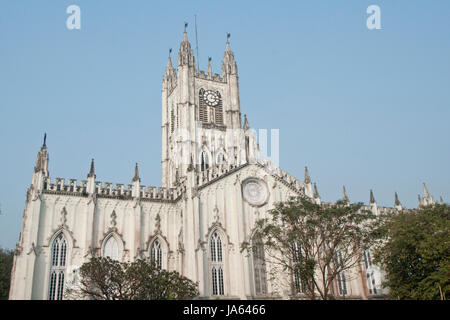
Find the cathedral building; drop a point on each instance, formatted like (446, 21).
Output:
(214, 186)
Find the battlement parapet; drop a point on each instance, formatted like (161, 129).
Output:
(215, 77)
(110, 190)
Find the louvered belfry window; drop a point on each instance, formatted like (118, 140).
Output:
(203, 108)
(58, 268)
(216, 265)
(219, 111)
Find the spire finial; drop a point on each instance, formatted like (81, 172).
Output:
(136, 173)
(307, 178)
(92, 170)
(397, 202)
(372, 198)
(344, 195)
(228, 43)
(185, 26)
(170, 51)
(45, 139)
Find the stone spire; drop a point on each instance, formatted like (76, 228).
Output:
(136, 174)
(372, 198)
(92, 170)
(307, 178)
(229, 65)
(344, 195)
(185, 55)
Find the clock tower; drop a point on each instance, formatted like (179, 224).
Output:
(201, 117)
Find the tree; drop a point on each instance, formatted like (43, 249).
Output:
(6, 261)
(416, 253)
(107, 279)
(314, 243)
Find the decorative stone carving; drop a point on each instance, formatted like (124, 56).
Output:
(255, 191)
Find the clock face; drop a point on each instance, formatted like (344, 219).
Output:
(211, 98)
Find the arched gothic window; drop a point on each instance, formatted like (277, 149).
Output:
(57, 268)
(369, 272)
(341, 281)
(297, 254)
(156, 253)
(216, 265)
(203, 109)
(205, 161)
(220, 159)
(111, 248)
(259, 267)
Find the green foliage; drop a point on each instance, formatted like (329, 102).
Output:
(6, 262)
(416, 253)
(106, 279)
(322, 232)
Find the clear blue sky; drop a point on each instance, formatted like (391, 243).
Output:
(364, 109)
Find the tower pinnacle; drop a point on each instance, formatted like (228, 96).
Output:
(344, 196)
(136, 174)
(372, 198)
(209, 72)
(397, 202)
(185, 55)
(307, 178)
(316, 193)
(92, 170)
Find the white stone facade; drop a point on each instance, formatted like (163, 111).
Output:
(202, 195)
